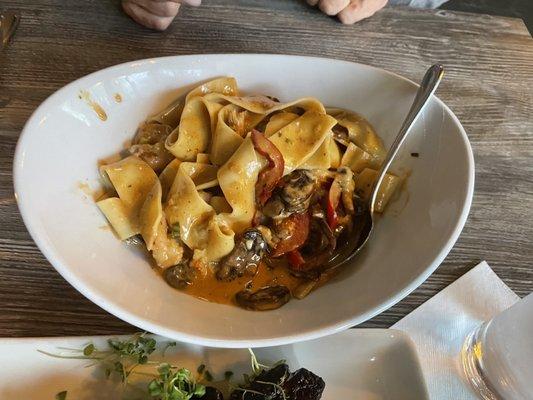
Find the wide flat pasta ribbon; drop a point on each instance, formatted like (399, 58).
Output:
(237, 178)
(138, 208)
(301, 138)
(199, 226)
(197, 119)
(226, 139)
(133, 180)
(360, 132)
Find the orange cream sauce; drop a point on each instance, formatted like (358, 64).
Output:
(211, 289)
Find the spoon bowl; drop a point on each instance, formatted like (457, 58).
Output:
(365, 226)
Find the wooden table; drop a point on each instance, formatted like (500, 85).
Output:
(489, 86)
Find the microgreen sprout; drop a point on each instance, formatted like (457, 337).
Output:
(174, 384)
(167, 346)
(168, 382)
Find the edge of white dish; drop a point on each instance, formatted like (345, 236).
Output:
(301, 336)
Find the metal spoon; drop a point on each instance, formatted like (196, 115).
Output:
(360, 236)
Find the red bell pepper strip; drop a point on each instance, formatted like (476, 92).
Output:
(295, 259)
(333, 202)
(271, 174)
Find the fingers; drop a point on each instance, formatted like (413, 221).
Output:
(144, 17)
(194, 3)
(158, 8)
(155, 14)
(360, 9)
(333, 7)
(349, 11)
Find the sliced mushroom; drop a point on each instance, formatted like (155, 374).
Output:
(149, 145)
(293, 196)
(244, 258)
(151, 133)
(179, 276)
(155, 155)
(341, 134)
(264, 299)
(297, 191)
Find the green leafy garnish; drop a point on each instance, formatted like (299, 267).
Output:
(174, 384)
(167, 346)
(167, 382)
(138, 348)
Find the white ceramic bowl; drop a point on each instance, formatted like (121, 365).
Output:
(60, 146)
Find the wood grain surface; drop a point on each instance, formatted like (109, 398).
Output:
(489, 86)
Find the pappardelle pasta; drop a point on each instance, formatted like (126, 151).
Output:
(243, 199)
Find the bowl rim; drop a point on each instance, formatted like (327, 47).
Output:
(157, 328)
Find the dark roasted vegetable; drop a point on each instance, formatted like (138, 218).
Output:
(264, 299)
(179, 276)
(304, 385)
(277, 374)
(279, 384)
(266, 385)
(244, 258)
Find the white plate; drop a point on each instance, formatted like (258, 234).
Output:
(369, 364)
(64, 139)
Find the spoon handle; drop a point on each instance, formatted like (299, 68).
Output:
(429, 84)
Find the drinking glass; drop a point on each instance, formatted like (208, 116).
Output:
(497, 357)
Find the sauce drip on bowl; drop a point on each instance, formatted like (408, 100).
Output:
(97, 108)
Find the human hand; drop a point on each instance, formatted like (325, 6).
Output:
(155, 14)
(349, 11)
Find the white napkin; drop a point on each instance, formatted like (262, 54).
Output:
(440, 325)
